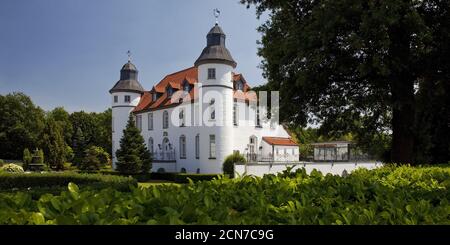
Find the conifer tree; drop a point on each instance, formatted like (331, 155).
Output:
(54, 144)
(133, 155)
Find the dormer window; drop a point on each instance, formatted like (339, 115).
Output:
(240, 86)
(211, 73)
(169, 91)
(154, 96)
(186, 87)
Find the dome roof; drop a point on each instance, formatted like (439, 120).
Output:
(128, 80)
(215, 50)
(129, 66)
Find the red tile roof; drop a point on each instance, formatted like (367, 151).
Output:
(175, 80)
(280, 141)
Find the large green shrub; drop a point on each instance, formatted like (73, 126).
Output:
(11, 168)
(95, 158)
(228, 164)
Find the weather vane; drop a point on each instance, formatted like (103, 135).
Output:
(216, 14)
(129, 55)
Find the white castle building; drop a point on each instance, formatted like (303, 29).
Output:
(194, 118)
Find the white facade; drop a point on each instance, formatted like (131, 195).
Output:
(121, 110)
(215, 124)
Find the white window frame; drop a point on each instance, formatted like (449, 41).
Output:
(197, 146)
(151, 145)
(211, 73)
(165, 119)
(116, 99)
(212, 146)
(183, 147)
(150, 121)
(127, 98)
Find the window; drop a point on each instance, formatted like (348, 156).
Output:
(212, 146)
(181, 116)
(116, 98)
(211, 73)
(186, 87)
(154, 96)
(212, 109)
(235, 114)
(197, 146)
(182, 147)
(150, 145)
(139, 122)
(150, 121)
(127, 99)
(240, 86)
(112, 124)
(183, 170)
(165, 119)
(169, 91)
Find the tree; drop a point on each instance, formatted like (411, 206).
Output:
(133, 156)
(54, 145)
(95, 158)
(62, 117)
(27, 158)
(354, 65)
(21, 124)
(228, 163)
(79, 145)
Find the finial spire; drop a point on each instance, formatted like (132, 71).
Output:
(129, 55)
(216, 12)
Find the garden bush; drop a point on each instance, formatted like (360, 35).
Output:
(11, 168)
(228, 164)
(95, 158)
(62, 179)
(184, 178)
(389, 195)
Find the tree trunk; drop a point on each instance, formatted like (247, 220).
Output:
(402, 90)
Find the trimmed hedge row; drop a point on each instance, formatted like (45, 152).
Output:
(175, 177)
(54, 179)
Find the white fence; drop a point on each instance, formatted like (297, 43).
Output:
(336, 168)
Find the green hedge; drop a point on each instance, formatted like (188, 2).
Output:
(53, 180)
(184, 178)
(389, 195)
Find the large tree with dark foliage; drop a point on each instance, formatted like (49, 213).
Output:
(21, 124)
(133, 155)
(359, 66)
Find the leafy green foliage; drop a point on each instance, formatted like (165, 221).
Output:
(27, 158)
(95, 158)
(133, 156)
(54, 145)
(360, 67)
(228, 164)
(55, 180)
(11, 168)
(389, 195)
(21, 124)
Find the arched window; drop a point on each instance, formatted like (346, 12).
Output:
(182, 147)
(197, 146)
(150, 145)
(183, 170)
(165, 119)
(212, 109)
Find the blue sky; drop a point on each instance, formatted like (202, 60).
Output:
(69, 53)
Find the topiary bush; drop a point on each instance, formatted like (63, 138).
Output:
(228, 164)
(11, 168)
